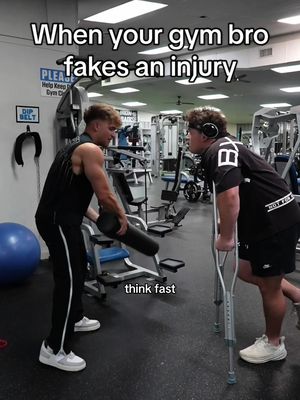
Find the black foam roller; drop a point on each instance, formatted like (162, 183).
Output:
(109, 224)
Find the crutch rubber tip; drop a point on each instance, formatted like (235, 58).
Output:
(231, 378)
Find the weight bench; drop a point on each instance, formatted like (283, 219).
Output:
(136, 172)
(124, 191)
(102, 250)
(184, 178)
(157, 226)
(161, 227)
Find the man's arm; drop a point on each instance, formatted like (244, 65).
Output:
(93, 164)
(92, 214)
(228, 203)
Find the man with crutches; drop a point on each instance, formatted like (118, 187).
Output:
(249, 192)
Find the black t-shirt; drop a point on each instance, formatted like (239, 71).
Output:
(66, 196)
(267, 206)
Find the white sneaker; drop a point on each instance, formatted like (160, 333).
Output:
(262, 351)
(297, 309)
(61, 360)
(86, 325)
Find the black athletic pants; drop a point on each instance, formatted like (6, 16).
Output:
(68, 256)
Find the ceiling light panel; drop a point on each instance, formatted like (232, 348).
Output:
(94, 94)
(134, 104)
(197, 81)
(158, 50)
(213, 97)
(125, 90)
(275, 105)
(170, 112)
(126, 11)
(288, 69)
(290, 20)
(295, 89)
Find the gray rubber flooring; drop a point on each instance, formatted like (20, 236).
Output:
(150, 346)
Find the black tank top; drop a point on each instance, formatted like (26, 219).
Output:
(66, 196)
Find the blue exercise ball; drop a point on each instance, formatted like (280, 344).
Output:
(20, 253)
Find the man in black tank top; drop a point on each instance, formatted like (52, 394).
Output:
(250, 192)
(75, 175)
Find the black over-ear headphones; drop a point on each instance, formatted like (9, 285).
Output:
(208, 129)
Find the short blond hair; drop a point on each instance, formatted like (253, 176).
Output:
(102, 111)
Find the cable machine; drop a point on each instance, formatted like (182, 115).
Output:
(167, 134)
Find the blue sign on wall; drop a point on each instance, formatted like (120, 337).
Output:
(54, 82)
(55, 75)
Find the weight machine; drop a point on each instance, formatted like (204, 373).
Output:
(167, 134)
(69, 113)
(276, 133)
(167, 217)
(197, 187)
(102, 250)
(276, 137)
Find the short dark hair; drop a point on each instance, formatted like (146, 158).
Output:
(207, 114)
(104, 112)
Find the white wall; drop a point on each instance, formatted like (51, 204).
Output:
(232, 129)
(144, 116)
(20, 85)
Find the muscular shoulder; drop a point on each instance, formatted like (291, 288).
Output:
(89, 151)
(86, 154)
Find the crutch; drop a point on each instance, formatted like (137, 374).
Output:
(222, 294)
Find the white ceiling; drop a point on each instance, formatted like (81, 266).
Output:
(161, 93)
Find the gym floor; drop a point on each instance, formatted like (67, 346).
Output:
(150, 346)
